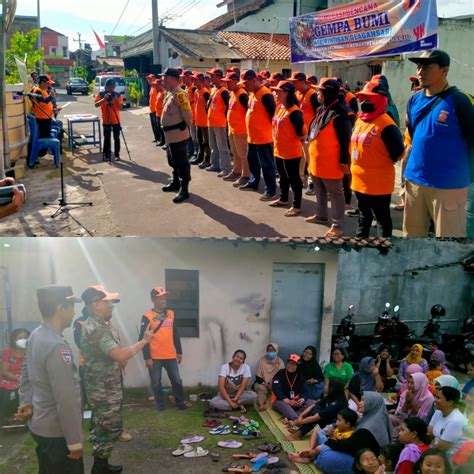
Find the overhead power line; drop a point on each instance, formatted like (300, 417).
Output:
(120, 17)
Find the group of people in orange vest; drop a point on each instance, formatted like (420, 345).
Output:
(299, 129)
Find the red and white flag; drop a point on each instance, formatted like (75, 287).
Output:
(99, 41)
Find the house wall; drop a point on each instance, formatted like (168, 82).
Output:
(235, 283)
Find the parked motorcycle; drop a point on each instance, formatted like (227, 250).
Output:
(459, 348)
(344, 332)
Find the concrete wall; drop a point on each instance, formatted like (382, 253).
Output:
(416, 274)
(456, 38)
(235, 282)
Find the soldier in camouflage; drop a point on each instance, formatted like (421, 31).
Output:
(103, 363)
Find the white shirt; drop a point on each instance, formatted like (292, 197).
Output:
(449, 428)
(236, 377)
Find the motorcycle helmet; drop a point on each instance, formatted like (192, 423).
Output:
(437, 311)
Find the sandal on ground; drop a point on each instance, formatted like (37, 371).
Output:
(334, 233)
(183, 449)
(247, 455)
(220, 430)
(253, 435)
(259, 463)
(192, 439)
(236, 467)
(214, 456)
(242, 409)
(197, 453)
(316, 220)
(278, 203)
(231, 444)
(293, 212)
(269, 448)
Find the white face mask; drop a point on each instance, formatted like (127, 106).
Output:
(21, 343)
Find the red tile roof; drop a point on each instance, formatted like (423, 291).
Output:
(258, 45)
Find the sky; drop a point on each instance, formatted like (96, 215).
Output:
(72, 16)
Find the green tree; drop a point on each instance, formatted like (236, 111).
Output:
(21, 45)
(135, 94)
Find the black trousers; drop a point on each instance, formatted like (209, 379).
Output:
(154, 126)
(346, 183)
(370, 205)
(161, 134)
(178, 159)
(108, 129)
(52, 457)
(204, 153)
(289, 172)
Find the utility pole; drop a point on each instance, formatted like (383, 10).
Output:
(80, 48)
(40, 37)
(156, 32)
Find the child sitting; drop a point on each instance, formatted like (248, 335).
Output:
(434, 372)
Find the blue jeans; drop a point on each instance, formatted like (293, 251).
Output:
(172, 369)
(333, 462)
(313, 390)
(260, 158)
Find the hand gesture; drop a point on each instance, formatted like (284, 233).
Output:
(149, 363)
(24, 413)
(76, 454)
(148, 336)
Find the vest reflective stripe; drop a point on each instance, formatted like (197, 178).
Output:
(162, 344)
(159, 103)
(153, 94)
(200, 108)
(287, 142)
(324, 154)
(216, 114)
(236, 114)
(372, 169)
(258, 122)
(42, 110)
(306, 107)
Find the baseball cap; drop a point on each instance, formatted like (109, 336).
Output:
(265, 74)
(436, 56)
(98, 293)
(110, 83)
(46, 79)
(248, 75)
(158, 81)
(186, 73)
(171, 72)
(312, 78)
(198, 75)
(215, 71)
(294, 358)
(373, 88)
(57, 294)
(231, 76)
(158, 291)
(234, 69)
(277, 76)
(285, 86)
(298, 76)
(328, 84)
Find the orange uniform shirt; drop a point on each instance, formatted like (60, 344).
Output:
(287, 143)
(306, 107)
(153, 94)
(110, 109)
(216, 114)
(236, 113)
(372, 169)
(200, 103)
(159, 103)
(258, 122)
(162, 343)
(40, 109)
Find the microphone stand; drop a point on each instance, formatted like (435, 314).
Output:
(111, 106)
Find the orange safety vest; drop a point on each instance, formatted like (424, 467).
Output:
(200, 107)
(40, 109)
(372, 169)
(159, 103)
(216, 114)
(162, 343)
(153, 94)
(287, 142)
(257, 120)
(324, 154)
(236, 113)
(349, 97)
(110, 113)
(306, 107)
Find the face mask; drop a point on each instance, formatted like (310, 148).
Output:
(21, 343)
(271, 355)
(367, 107)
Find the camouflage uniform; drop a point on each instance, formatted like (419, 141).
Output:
(103, 384)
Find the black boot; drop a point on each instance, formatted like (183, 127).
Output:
(174, 185)
(102, 466)
(183, 193)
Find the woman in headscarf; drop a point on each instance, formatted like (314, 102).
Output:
(415, 356)
(367, 379)
(312, 373)
(447, 381)
(417, 400)
(375, 417)
(267, 368)
(441, 357)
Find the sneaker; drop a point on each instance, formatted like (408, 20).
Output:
(267, 197)
(117, 158)
(203, 165)
(125, 437)
(240, 182)
(221, 174)
(352, 212)
(247, 187)
(230, 177)
(310, 190)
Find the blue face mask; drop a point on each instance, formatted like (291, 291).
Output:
(271, 355)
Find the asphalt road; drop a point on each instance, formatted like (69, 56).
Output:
(138, 207)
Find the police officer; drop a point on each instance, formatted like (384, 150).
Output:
(103, 362)
(176, 121)
(50, 396)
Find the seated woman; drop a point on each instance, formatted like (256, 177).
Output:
(447, 424)
(322, 414)
(267, 368)
(288, 390)
(312, 373)
(413, 357)
(337, 369)
(367, 379)
(441, 357)
(232, 384)
(413, 436)
(12, 360)
(383, 363)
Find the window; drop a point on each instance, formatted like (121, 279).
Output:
(183, 299)
(53, 51)
(64, 52)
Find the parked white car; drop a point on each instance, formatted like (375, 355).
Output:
(121, 88)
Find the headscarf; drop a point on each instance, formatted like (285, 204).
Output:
(367, 380)
(391, 107)
(380, 103)
(439, 355)
(412, 360)
(375, 418)
(422, 396)
(266, 368)
(310, 369)
(411, 369)
(448, 381)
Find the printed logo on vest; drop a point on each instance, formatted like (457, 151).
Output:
(443, 118)
(66, 356)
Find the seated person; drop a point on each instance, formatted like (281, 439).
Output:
(389, 456)
(383, 363)
(321, 414)
(413, 437)
(433, 460)
(337, 368)
(367, 379)
(441, 357)
(415, 356)
(288, 390)
(468, 389)
(232, 384)
(312, 373)
(434, 371)
(12, 360)
(367, 462)
(267, 368)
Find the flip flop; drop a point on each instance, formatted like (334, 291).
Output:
(211, 423)
(292, 212)
(197, 453)
(232, 444)
(253, 435)
(220, 430)
(235, 467)
(278, 203)
(192, 439)
(259, 456)
(247, 455)
(272, 460)
(269, 448)
(183, 449)
(257, 465)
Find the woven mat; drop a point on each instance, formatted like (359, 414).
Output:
(272, 419)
